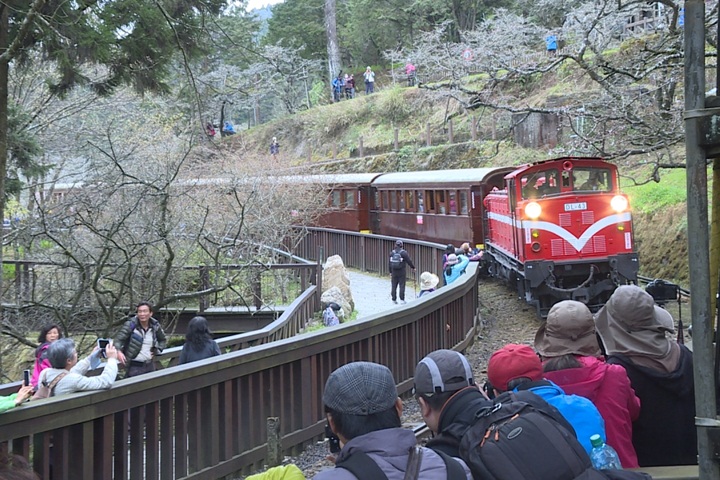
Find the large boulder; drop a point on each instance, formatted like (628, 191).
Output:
(335, 276)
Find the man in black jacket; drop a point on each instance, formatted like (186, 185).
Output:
(448, 398)
(399, 260)
(139, 340)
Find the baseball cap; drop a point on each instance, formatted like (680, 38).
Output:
(442, 371)
(360, 388)
(513, 361)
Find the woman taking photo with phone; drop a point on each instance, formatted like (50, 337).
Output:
(199, 342)
(48, 334)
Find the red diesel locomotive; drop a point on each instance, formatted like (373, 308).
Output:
(561, 229)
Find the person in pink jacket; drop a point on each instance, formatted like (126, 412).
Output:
(48, 334)
(573, 360)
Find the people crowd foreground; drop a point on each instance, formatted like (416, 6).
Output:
(139, 340)
(572, 359)
(634, 332)
(71, 372)
(517, 368)
(364, 413)
(48, 334)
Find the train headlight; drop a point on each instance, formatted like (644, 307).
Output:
(619, 203)
(533, 210)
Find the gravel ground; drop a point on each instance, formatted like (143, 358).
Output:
(505, 319)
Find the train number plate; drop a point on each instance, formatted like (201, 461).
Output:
(571, 207)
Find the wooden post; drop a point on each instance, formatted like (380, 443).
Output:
(450, 131)
(428, 138)
(257, 290)
(473, 127)
(334, 150)
(205, 284)
(494, 128)
(274, 442)
(309, 153)
(360, 147)
(397, 135)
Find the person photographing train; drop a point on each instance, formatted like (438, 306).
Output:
(398, 263)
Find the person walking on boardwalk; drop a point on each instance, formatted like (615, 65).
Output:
(139, 340)
(399, 261)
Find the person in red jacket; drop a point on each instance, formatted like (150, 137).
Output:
(573, 360)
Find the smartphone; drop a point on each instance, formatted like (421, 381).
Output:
(102, 343)
(26, 377)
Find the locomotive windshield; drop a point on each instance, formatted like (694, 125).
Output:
(592, 179)
(540, 183)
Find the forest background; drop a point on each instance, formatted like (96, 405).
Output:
(110, 180)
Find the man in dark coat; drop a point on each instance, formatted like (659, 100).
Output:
(399, 260)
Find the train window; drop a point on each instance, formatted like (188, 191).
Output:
(385, 204)
(349, 198)
(452, 204)
(539, 183)
(592, 179)
(421, 202)
(393, 201)
(463, 203)
(440, 202)
(410, 200)
(376, 200)
(401, 195)
(430, 207)
(335, 199)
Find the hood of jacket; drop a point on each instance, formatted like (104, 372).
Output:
(584, 381)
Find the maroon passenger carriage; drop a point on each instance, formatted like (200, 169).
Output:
(443, 206)
(561, 229)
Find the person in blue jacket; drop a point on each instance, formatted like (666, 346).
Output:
(455, 267)
(517, 367)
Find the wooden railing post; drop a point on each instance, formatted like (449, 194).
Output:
(428, 138)
(309, 153)
(204, 285)
(473, 127)
(450, 131)
(274, 443)
(396, 133)
(257, 290)
(361, 147)
(334, 150)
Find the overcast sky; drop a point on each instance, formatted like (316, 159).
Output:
(253, 4)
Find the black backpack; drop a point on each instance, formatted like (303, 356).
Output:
(396, 260)
(521, 436)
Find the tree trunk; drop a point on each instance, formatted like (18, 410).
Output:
(333, 49)
(4, 79)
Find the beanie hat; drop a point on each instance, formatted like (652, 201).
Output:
(442, 371)
(360, 388)
(511, 362)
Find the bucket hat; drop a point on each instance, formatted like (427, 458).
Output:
(428, 281)
(631, 323)
(452, 259)
(569, 329)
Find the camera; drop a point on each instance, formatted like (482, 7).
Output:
(333, 440)
(488, 389)
(662, 291)
(102, 343)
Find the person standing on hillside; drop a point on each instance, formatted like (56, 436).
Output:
(369, 76)
(399, 260)
(274, 147)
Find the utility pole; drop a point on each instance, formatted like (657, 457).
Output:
(698, 241)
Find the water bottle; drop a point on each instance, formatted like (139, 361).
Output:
(603, 456)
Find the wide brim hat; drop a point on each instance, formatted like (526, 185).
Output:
(452, 259)
(631, 323)
(428, 281)
(569, 329)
